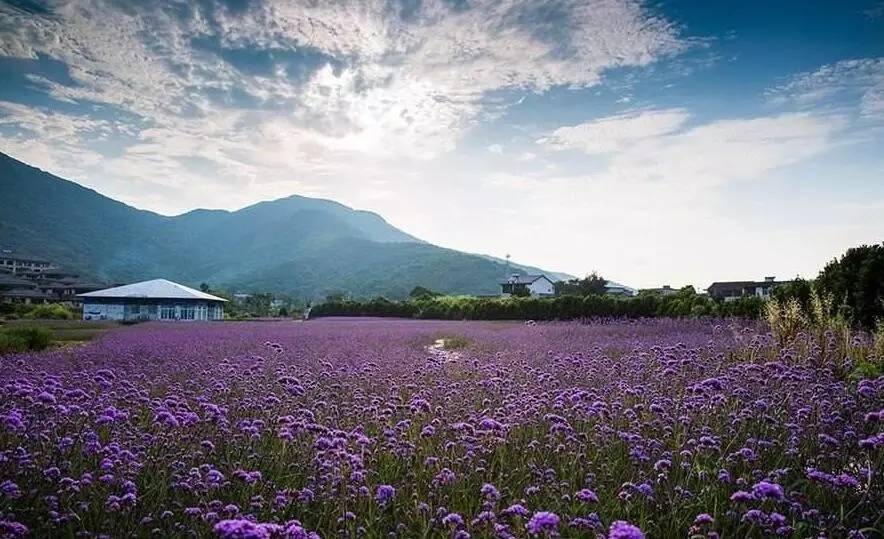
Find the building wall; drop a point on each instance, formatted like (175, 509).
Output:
(103, 311)
(98, 309)
(542, 287)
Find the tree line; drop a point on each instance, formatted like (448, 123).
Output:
(854, 283)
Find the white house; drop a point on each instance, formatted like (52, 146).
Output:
(617, 289)
(158, 299)
(534, 285)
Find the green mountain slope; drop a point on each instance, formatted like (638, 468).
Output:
(296, 245)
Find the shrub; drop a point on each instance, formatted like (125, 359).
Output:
(856, 283)
(24, 339)
(52, 311)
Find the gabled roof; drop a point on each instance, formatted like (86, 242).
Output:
(9, 280)
(32, 293)
(525, 279)
(612, 286)
(155, 289)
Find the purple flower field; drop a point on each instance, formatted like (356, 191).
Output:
(362, 428)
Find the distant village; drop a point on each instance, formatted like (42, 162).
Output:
(29, 280)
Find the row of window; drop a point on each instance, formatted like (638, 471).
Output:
(31, 264)
(189, 312)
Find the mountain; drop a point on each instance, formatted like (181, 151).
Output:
(301, 246)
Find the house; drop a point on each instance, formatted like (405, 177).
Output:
(35, 280)
(731, 290)
(532, 285)
(617, 289)
(15, 264)
(158, 299)
(16, 289)
(664, 290)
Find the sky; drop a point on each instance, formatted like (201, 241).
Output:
(654, 142)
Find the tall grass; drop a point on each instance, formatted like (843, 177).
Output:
(24, 339)
(822, 335)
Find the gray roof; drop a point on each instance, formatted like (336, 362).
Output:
(155, 289)
(524, 279)
(32, 293)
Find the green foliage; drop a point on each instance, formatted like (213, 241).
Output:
(798, 289)
(856, 283)
(335, 297)
(591, 284)
(24, 339)
(684, 304)
(52, 311)
(258, 304)
(422, 292)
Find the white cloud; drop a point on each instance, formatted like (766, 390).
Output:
(648, 146)
(495, 149)
(853, 83)
(413, 83)
(616, 132)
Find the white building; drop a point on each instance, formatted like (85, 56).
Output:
(158, 299)
(617, 289)
(534, 285)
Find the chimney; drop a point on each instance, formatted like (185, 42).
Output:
(769, 279)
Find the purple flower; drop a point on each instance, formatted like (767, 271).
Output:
(703, 518)
(242, 529)
(624, 530)
(12, 530)
(585, 495)
(453, 519)
(384, 494)
(741, 496)
(10, 489)
(766, 489)
(490, 491)
(543, 522)
(516, 509)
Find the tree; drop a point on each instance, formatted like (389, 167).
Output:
(420, 292)
(856, 283)
(798, 289)
(204, 287)
(258, 304)
(591, 284)
(335, 297)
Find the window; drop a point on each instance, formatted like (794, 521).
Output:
(188, 312)
(167, 312)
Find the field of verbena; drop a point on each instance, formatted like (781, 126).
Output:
(356, 428)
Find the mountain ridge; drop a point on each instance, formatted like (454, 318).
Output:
(294, 245)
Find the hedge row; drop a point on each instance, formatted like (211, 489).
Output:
(558, 308)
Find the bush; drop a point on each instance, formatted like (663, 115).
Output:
(856, 283)
(24, 339)
(686, 303)
(52, 311)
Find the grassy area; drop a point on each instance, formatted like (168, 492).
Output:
(57, 332)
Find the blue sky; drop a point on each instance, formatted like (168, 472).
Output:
(656, 142)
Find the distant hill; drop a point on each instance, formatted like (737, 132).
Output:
(297, 245)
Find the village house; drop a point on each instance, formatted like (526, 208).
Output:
(732, 290)
(530, 285)
(664, 290)
(157, 299)
(16, 264)
(28, 280)
(617, 289)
